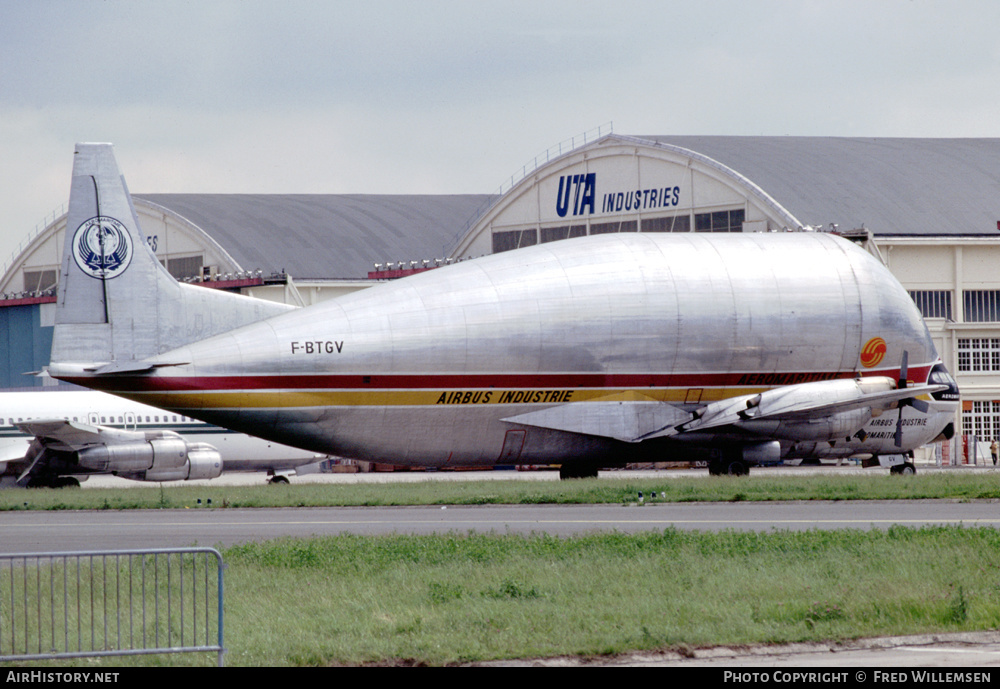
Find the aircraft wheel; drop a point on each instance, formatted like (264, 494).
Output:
(577, 471)
(278, 479)
(737, 467)
(53, 482)
(904, 469)
(731, 464)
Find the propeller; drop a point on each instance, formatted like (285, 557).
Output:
(919, 405)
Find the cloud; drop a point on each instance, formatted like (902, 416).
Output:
(452, 97)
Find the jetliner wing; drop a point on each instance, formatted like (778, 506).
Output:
(13, 453)
(62, 435)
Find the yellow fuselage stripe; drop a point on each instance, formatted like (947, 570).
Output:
(272, 399)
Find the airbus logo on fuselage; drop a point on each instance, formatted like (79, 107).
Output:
(577, 195)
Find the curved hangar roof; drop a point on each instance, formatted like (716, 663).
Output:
(891, 186)
(303, 235)
(731, 183)
(326, 235)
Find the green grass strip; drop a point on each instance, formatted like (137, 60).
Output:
(623, 489)
(459, 598)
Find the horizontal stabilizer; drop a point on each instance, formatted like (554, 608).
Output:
(626, 420)
(131, 367)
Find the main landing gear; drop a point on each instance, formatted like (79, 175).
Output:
(904, 469)
(53, 482)
(731, 466)
(578, 471)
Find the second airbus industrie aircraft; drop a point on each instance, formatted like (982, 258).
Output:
(596, 351)
(53, 438)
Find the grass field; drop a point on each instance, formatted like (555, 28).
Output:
(452, 599)
(865, 486)
(456, 599)
(438, 600)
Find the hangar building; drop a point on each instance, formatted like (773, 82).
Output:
(928, 208)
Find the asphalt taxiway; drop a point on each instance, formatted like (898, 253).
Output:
(207, 525)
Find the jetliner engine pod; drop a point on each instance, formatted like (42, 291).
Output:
(587, 352)
(55, 437)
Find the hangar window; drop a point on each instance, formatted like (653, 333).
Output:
(551, 234)
(982, 306)
(933, 303)
(720, 221)
(675, 223)
(610, 227)
(188, 267)
(513, 239)
(979, 354)
(39, 280)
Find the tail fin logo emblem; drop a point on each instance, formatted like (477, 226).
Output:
(873, 352)
(102, 247)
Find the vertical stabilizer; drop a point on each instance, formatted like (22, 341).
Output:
(117, 304)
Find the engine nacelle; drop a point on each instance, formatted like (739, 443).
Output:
(135, 455)
(781, 405)
(762, 453)
(204, 461)
(832, 427)
(151, 456)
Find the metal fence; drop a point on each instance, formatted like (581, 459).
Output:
(110, 603)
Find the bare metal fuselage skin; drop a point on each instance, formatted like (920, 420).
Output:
(424, 370)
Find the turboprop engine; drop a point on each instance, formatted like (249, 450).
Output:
(838, 423)
(817, 411)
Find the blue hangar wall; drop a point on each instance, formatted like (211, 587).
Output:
(24, 344)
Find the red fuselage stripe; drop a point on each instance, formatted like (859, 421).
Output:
(437, 381)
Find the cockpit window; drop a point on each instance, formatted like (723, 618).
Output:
(940, 376)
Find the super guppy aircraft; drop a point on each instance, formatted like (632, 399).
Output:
(587, 352)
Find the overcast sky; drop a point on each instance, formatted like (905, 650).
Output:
(309, 96)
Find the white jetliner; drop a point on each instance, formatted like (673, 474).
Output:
(54, 437)
(591, 352)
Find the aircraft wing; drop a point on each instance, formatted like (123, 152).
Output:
(638, 419)
(628, 419)
(13, 453)
(62, 435)
(63, 447)
(791, 405)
